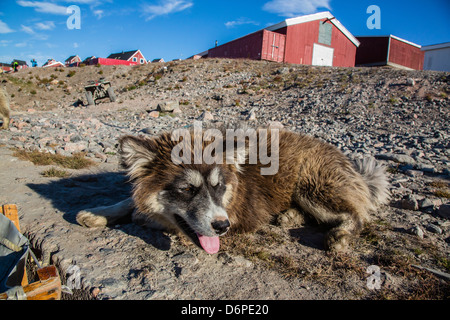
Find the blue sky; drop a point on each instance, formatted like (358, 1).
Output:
(172, 29)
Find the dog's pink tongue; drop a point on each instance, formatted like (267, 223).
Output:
(209, 244)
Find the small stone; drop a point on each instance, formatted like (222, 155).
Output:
(426, 167)
(168, 106)
(284, 70)
(75, 146)
(410, 203)
(434, 229)
(206, 116)
(154, 114)
(416, 230)
(444, 211)
(95, 291)
(414, 173)
(401, 158)
(410, 82)
(251, 115)
(426, 203)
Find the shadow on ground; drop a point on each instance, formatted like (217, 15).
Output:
(73, 194)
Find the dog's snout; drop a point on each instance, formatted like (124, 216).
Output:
(221, 226)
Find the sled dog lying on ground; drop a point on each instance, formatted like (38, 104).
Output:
(205, 199)
(4, 108)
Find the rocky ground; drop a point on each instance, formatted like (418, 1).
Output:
(400, 117)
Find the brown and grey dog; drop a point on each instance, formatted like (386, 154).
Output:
(203, 201)
(4, 108)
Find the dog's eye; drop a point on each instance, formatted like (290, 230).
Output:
(188, 189)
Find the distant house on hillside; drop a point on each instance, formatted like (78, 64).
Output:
(22, 64)
(72, 61)
(389, 51)
(53, 63)
(157, 60)
(131, 56)
(437, 57)
(315, 39)
(5, 67)
(200, 55)
(88, 60)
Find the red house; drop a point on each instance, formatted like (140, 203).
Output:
(316, 39)
(130, 56)
(389, 51)
(5, 67)
(72, 61)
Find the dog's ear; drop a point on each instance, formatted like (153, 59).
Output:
(135, 154)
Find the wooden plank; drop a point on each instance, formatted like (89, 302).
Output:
(47, 288)
(10, 211)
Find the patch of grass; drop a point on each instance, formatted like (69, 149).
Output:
(71, 73)
(55, 173)
(443, 188)
(393, 170)
(76, 161)
(429, 97)
(442, 194)
(393, 100)
(444, 262)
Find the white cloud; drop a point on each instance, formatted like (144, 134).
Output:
(4, 28)
(75, 45)
(5, 43)
(26, 29)
(44, 7)
(166, 7)
(240, 21)
(98, 13)
(290, 8)
(30, 30)
(47, 25)
(20, 45)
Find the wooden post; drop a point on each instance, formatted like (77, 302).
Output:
(49, 285)
(10, 211)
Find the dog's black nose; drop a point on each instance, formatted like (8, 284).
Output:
(221, 226)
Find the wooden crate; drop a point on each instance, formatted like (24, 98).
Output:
(49, 285)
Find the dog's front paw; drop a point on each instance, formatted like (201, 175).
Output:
(88, 219)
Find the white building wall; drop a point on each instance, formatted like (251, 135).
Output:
(437, 58)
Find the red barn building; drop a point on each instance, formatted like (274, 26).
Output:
(389, 51)
(316, 39)
(130, 56)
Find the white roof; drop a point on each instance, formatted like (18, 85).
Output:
(436, 46)
(406, 41)
(53, 63)
(313, 17)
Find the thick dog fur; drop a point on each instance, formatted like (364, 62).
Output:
(207, 200)
(4, 108)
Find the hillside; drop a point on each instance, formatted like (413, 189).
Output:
(400, 117)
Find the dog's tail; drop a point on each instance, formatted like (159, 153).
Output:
(103, 216)
(375, 176)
